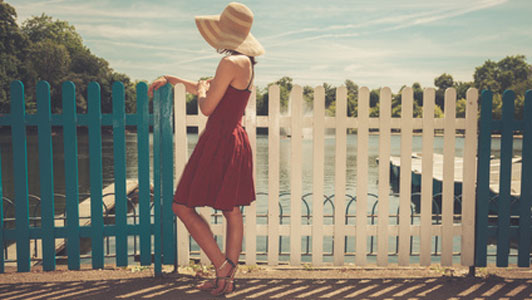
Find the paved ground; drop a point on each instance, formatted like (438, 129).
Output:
(272, 283)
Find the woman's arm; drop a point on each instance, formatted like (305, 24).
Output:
(210, 92)
(190, 86)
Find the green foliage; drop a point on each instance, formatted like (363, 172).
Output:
(461, 108)
(502, 75)
(47, 49)
(442, 82)
(13, 51)
(352, 98)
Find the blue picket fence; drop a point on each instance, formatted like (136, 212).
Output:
(162, 226)
(504, 218)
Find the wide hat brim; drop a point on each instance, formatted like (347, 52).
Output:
(209, 27)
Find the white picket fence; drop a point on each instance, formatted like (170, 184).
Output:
(449, 227)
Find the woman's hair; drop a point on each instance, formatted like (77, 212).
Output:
(233, 52)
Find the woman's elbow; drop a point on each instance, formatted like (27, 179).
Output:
(205, 111)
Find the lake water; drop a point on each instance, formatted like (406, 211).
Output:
(261, 175)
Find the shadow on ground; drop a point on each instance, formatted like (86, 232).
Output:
(173, 286)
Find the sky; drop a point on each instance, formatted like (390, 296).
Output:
(375, 43)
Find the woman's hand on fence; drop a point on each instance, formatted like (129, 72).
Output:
(203, 87)
(161, 81)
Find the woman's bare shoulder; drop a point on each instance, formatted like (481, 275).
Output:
(240, 60)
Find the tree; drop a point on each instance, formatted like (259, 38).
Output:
(511, 72)
(285, 86)
(330, 99)
(58, 54)
(13, 47)
(442, 82)
(461, 88)
(50, 62)
(502, 75)
(352, 98)
(308, 98)
(44, 27)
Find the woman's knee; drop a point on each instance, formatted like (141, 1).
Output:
(182, 211)
(234, 213)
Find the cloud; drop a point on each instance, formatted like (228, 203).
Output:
(450, 13)
(101, 9)
(432, 12)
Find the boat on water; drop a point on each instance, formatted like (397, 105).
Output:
(437, 175)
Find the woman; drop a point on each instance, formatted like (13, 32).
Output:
(219, 171)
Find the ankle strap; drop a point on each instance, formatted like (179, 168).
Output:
(227, 261)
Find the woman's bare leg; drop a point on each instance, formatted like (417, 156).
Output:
(235, 233)
(201, 232)
(233, 243)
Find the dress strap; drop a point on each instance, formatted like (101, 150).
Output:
(252, 75)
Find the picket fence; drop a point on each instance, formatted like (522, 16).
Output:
(363, 231)
(151, 217)
(503, 217)
(170, 156)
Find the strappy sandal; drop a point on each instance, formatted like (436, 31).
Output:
(229, 285)
(207, 285)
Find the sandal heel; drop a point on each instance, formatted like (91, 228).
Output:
(228, 279)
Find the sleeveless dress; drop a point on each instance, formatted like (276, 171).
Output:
(219, 172)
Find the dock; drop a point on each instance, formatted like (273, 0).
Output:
(395, 164)
(108, 200)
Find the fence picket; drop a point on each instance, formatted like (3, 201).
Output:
(448, 177)
(525, 235)
(46, 174)
(505, 179)
(119, 151)
(20, 165)
(469, 179)
(483, 179)
(143, 146)
(181, 156)
(318, 134)
(251, 210)
(167, 181)
(385, 115)
(273, 174)
(340, 174)
(2, 258)
(296, 99)
(96, 186)
(157, 195)
(407, 102)
(71, 174)
(362, 177)
(425, 236)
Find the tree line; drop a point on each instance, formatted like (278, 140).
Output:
(47, 49)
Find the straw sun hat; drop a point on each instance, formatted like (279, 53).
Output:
(230, 30)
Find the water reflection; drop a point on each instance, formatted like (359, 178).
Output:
(261, 163)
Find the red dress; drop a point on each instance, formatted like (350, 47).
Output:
(219, 172)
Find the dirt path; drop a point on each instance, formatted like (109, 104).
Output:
(272, 283)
